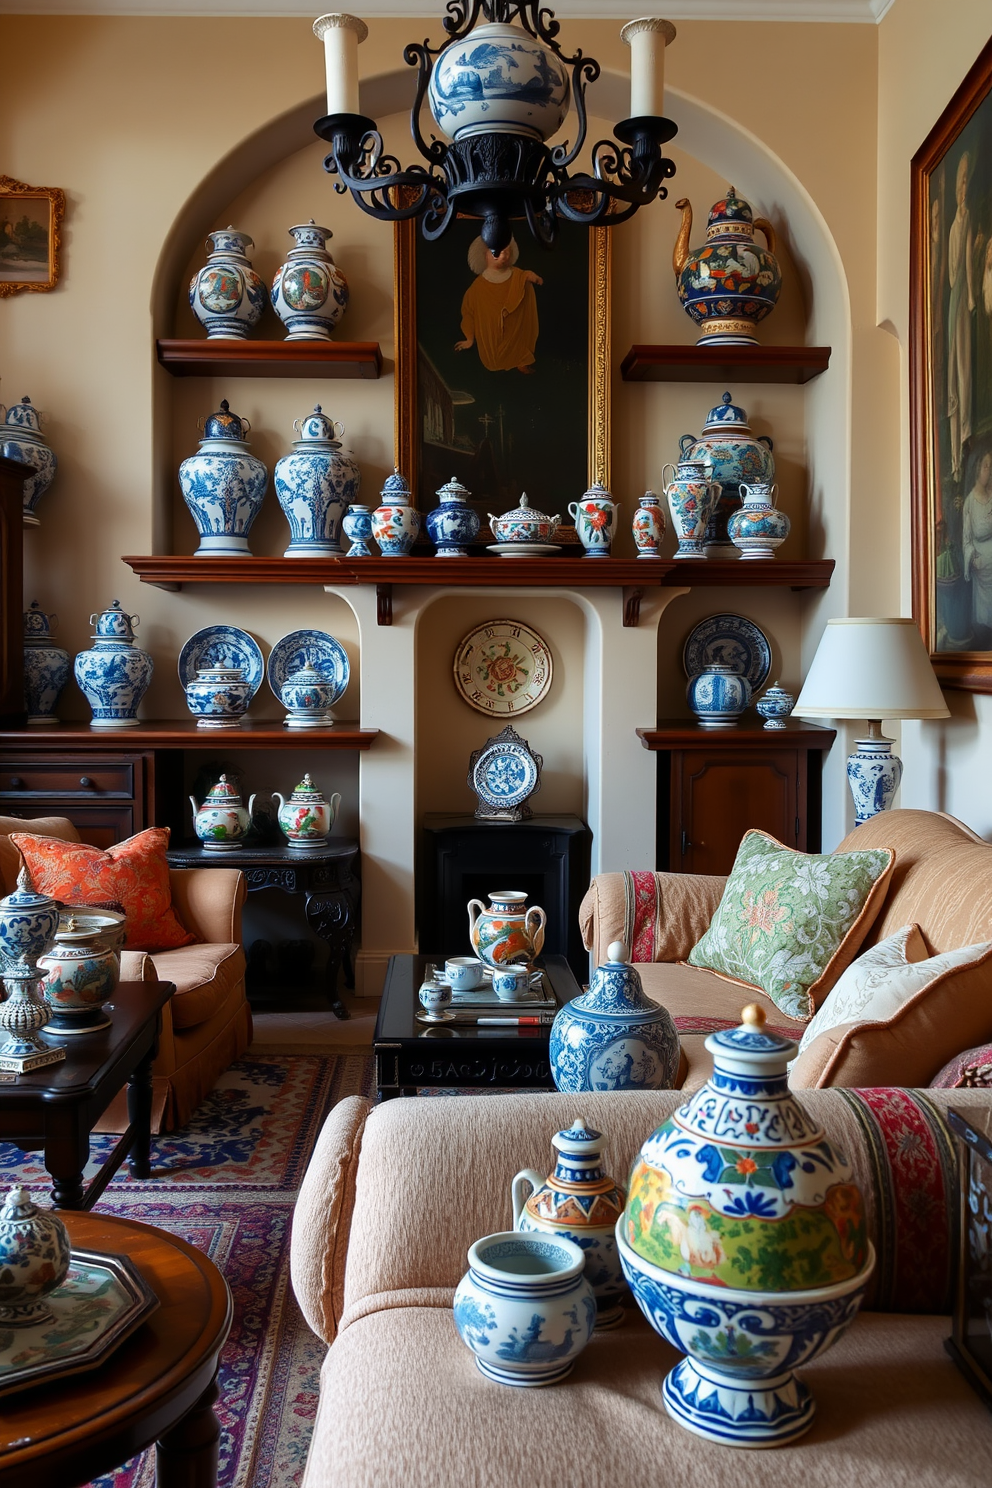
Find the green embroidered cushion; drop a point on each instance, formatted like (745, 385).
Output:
(790, 922)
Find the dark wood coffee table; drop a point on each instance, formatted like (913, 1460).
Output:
(159, 1386)
(57, 1107)
(410, 1054)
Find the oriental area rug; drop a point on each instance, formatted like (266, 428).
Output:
(227, 1183)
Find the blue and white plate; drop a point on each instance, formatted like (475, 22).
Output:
(730, 640)
(309, 648)
(223, 646)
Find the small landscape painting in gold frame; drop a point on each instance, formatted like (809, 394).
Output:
(30, 236)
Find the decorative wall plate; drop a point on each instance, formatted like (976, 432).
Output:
(504, 774)
(503, 667)
(729, 640)
(309, 648)
(222, 646)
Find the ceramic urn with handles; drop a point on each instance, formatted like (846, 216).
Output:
(507, 931)
(222, 823)
(307, 817)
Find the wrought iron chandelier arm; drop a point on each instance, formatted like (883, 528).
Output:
(418, 54)
(584, 71)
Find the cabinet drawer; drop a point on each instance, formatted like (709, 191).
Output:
(79, 779)
(100, 826)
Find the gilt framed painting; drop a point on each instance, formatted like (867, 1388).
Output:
(30, 236)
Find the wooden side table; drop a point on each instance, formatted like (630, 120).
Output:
(159, 1386)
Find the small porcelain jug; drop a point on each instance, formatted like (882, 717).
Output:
(507, 931)
(221, 823)
(307, 817)
(648, 526)
(758, 527)
(614, 1037)
(34, 1260)
(595, 518)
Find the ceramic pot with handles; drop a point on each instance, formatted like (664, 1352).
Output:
(692, 499)
(735, 457)
(507, 931)
(730, 283)
(222, 823)
(758, 527)
(308, 816)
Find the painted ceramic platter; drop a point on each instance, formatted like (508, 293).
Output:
(732, 641)
(505, 775)
(309, 648)
(523, 549)
(503, 668)
(222, 646)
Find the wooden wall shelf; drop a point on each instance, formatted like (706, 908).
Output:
(795, 364)
(183, 733)
(220, 357)
(687, 733)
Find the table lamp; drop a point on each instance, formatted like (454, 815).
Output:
(871, 668)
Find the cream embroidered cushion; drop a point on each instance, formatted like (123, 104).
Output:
(872, 985)
(790, 922)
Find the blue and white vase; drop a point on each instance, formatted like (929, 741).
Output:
(692, 499)
(115, 672)
(28, 921)
(309, 291)
(499, 80)
(774, 706)
(23, 440)
(758, 527)
(218, 697)
(595, 518)
(396, 522)
(46, 667)
(357, 526)
(453, 525)
(315, 483)
(34, 1260)
(226, 295)
(613, 1037)
(873, 773)
(224, 486)
(735, 457)
(718, 695)
(307, 695)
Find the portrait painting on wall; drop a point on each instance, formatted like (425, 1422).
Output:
(30, 223)
(951, 412)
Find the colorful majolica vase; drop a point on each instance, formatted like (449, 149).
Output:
(21, 439)
(731, 283)
(83, 969)
(506, 932)
(648, 526)
(315, 483)
(114, 674)
(692, 499)
(718, 695)
(224, 486)
(46, 666)
(757, 527)
(580, 1202)
(453, 525)
(595, 518)
(34, 1260)
(226, 295)
(357, 527)
(735, 457)
(28, 921)
(218, 696)
(309, 291)
(307, 817)
(744, 1243)
(774, 706)
(498, 80)
(614, 1037)
(396, 522)
(222, 823)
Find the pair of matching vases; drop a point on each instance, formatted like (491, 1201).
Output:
(309, 291)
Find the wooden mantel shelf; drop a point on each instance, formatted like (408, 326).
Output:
(794, 364)
(688, 733)
(183, 733)
(632, 575)
(220, 356)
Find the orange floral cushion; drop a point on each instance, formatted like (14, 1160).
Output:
(135, 873)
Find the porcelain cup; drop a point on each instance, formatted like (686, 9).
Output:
(463, 973)
(511, 983)
(434, 998)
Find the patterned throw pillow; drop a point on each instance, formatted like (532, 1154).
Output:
(874, 979)
(971, 1070)
(134, 872)
(790, 922)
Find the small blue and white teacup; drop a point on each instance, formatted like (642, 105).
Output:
(511, 983)
(464, 973)
(434, 998)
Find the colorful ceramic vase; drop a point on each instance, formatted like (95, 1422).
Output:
(718, 695)
(308, 695)
(226, 295)
(774, 706)
(23, 440)
(314, 484)
(115, 672)
(507, 931)
(498, 80)
(34, 1260)
(221, 823)
(357, 526)
(735, 457)
(396, 522)
(452, 525)
(692, 499)
(307, 817)
(23, 1014)
(83, 969)
(595, 518)
(731, 283)
(28, 921)
(524, 1307)
(648, 526)
(223, 485)
(758, 527)
(218, 697)
(46, 667)
(744, 1243)
(523, 524)
(309, 291)
(613, 1037)
(580, 1203)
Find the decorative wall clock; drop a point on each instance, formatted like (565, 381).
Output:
(503, 668)
(504, 774)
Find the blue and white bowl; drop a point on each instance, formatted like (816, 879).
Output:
(499, 80)
(718, 696)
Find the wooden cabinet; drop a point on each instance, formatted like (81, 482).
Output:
(714, 784)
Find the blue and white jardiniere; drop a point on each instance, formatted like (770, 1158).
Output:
(46, 666)
(718, 696)
(452, 525)
(499, 80)
(396, 522)
(218, 697)
(357, 526)
(774, 706)
(114, 673)
(595, 518)
(614, 1037)
(309, 291)
(758, 527)
(28, 921)
(224, 486)
(23, 440)
(315, 483)
(227, 296)
(524, 1307)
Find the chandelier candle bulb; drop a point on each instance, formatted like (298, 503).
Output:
(647, 38)
(341, 35)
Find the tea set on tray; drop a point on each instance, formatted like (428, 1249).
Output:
(506, 938)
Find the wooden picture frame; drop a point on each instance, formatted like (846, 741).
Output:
(951, 384)
(503, 431)
(30, 236)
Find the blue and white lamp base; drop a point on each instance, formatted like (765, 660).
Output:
(873, 773)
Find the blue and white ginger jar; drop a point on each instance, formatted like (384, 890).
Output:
(227, 295)
(614, 1037)
(498, 80)
(774, 706)
(357, 526)
(758, 527)
(718, 695)
(218, 696)
(28, 921)
(46, 666)
(453, 525)
(396, 521)
(115, 672)
(735, 457)
(309, 291)
(224, 486)
(24, 441)
(34, 1260)
(315, 483)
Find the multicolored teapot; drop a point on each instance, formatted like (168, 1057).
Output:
(307, 817)
(507, 931)
(731, 283)
(221, 823)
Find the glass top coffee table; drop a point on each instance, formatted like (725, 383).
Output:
(410, 1054)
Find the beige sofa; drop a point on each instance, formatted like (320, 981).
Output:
(207, 1024)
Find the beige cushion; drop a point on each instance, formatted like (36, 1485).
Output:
(874, 984)
(204, 975)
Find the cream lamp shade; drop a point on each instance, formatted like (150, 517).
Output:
(871, 668)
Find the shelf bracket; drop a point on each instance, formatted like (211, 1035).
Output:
(383, 604)
(632, 596)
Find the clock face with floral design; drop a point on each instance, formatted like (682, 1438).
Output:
(503, 668)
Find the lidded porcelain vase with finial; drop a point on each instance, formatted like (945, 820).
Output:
(223, 485)
(46, 666)
(21, 439)
(614, 1037)
(396, 521)
(34, 1260)
(648, 525)
(453, 525)
(315, 483)
(115, 672)
(736, 457)
(730, 283)
(227, 296)
(309, 291)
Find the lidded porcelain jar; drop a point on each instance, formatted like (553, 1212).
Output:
(309, 291)
(648, 526)
(718, 695)
(692, 499)
(507, 932)
(396, 522)
(523, 524)
(498, 80)
(218, 696)
(223, 485)
(774, 706)
(222, 823)
(115, 672)
(758, 527)
(357, 526)
(226, 295)
(744, 1243)
(28, 921)
(595, 518)
(34, 1260)
(46, 666)
(314, 484)
(614, 1037)
(735, 457)
(307, 817)
(579, 1202)
(731, 283)
(23, 440)
(83, 969)
(307, 695)
(453, 524)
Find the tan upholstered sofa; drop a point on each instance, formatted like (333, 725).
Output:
(207, 1024)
